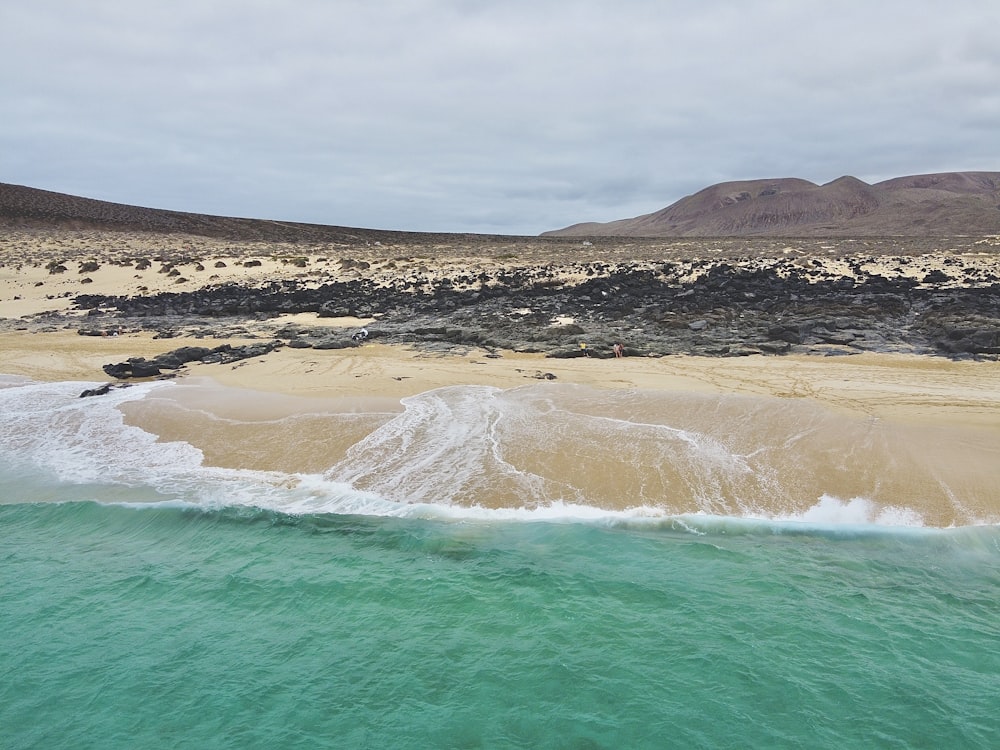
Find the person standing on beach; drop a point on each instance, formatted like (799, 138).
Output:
(619, 350)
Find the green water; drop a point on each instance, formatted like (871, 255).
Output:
(169, 627)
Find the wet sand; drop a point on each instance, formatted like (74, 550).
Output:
(677, 435)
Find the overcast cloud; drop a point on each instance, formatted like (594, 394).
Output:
(506, 117)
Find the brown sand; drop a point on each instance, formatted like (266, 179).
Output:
(907, 389)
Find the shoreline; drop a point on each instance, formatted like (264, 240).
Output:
(870, 436)
(908, 389)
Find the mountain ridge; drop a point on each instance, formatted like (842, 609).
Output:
(947, 203)
(23, 207)
(939, 204)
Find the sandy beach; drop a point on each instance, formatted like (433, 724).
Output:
(886, 386)
(906, 389)
(428, 399)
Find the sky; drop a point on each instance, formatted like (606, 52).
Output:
(497, 117)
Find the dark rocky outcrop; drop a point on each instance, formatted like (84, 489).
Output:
(726, 308)
(139, 367)
(101, 390)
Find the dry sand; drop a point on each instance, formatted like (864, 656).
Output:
(904, 389)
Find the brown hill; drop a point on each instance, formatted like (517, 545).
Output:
(956, 203)
(27, 207)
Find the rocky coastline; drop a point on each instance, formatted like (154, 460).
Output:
(561, 298)
(705, 308)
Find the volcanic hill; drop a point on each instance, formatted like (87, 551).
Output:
(948, 204)
(24, 207)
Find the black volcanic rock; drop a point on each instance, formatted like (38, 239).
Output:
(711, 308)
(139, 367)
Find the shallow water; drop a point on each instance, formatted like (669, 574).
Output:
(614, 450)
(546, 567)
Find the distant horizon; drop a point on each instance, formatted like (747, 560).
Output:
(549, 233)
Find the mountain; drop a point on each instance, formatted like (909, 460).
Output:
(25, 207)
(953, 203)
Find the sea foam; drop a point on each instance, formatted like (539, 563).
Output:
(470, 453)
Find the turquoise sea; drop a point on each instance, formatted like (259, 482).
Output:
(202, 593)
